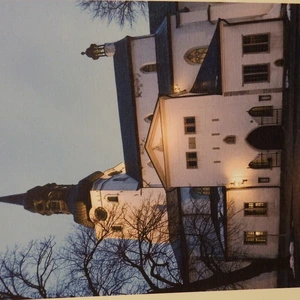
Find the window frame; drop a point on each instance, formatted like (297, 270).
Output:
(247, 79)
(148, 68)
(202, 49)
(256, 45)
(191, 162)
(189, 125)
(252, 209)
(258, 237)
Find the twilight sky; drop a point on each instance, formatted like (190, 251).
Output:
(58, 115)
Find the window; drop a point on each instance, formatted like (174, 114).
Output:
(189, 125)
(264, 98)
(255, 237)
(256, 73)
(263, 179)
(261, 111)
(192, 143)
(255, 209)
(191, 160)
(230, 139)
(195, 56)
(256, 43)
(100, 214)
(148, 118)
(117, 228)
(113, 198)
(149, 68)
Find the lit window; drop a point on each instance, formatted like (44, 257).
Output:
(255, 237)
(256, 73)
(255, 209)
(149, 68)
(230, 139)
(256, 43)
(261, 111)
(191, 160)
(195, 56)
(189, 125)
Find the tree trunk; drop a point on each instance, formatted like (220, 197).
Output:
(218, 280)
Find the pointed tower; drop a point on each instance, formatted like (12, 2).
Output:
(59, 199)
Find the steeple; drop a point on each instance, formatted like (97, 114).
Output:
(59, 199)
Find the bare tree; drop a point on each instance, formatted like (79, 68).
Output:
(120, 11)
(147, 250)
(27, 272)
(137, 258)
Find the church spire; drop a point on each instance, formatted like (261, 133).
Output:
(14, 199)
(52, 198)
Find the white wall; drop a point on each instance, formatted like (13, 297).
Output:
(233, 119)
(233, 58)
(185, 38)
(146, 86)
(128, 200)
(241, 223)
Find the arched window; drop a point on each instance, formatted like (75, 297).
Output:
(195, 56)
(148, 68)
(261, 111)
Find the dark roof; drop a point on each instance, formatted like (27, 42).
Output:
(208, 80)
(127, 108)
(157, 12)
(164, 58)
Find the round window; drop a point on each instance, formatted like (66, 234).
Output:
(101, 214)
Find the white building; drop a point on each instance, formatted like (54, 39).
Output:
(200, 106)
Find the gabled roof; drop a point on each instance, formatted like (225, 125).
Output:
(127, 108)
(164, 59)
(155, 147)
(158, 10)
(208, 80)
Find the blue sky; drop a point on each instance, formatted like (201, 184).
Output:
(58, 117)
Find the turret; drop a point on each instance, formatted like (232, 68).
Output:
(59, 199)
(97, 51)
